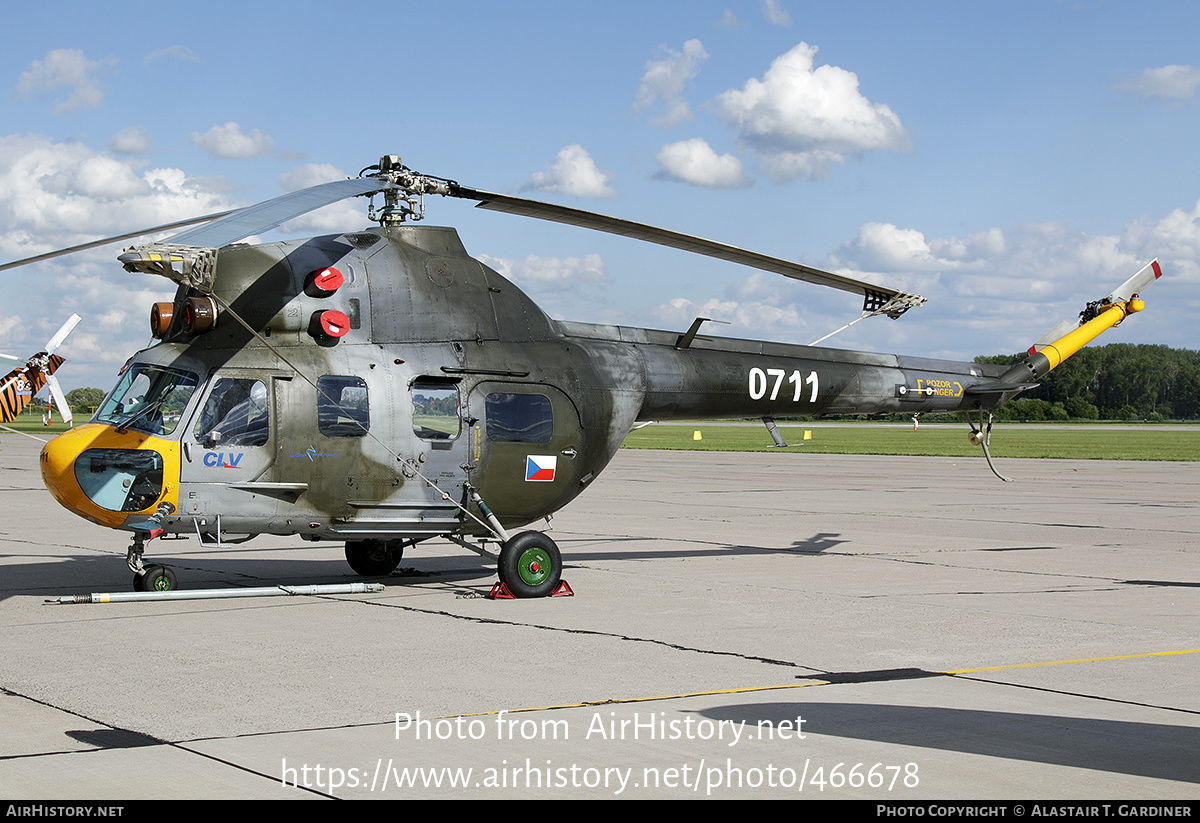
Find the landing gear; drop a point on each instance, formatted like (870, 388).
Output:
(374, 558)
(155, 579)
(530, 565)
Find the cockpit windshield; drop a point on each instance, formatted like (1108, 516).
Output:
(148, 398)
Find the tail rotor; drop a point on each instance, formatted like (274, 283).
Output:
(21, 385)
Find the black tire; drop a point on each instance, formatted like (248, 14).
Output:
(374, 558)
(155, 579)
(530, 565)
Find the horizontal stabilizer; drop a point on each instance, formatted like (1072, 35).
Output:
(999, 388)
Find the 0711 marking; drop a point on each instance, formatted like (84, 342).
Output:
(759, 379)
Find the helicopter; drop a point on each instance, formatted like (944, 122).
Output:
(382, 387)
(19, 386)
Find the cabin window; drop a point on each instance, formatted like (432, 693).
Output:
(435, 410)
(236, 414)
(519, 418)
(342, 408)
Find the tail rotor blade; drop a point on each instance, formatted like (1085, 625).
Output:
(59, 399)
(1134, 285)
(62, 333)
(1052, 335)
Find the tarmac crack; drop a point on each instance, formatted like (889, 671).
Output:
(127, 738)
(581, 632)
(1081, 695)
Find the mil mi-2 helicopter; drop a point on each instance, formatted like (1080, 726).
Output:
(382, 387)
(18, 387)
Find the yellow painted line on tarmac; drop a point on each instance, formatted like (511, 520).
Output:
(1066, 662)
(815, 681)
(650, 698)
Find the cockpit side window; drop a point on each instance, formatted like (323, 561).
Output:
(342, 407)
(236, 414)
(519, 418)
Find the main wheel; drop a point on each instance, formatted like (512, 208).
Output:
(155, 579)
(374, 558)
(530, 565)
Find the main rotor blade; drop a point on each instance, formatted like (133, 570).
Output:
(179, 224)
(265, 216)
(878, 299)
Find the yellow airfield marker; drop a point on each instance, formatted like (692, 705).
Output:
(696, 435)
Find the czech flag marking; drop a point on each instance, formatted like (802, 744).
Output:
(540, 468)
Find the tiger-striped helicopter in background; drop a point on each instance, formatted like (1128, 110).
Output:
(382, 387)
(21, 385)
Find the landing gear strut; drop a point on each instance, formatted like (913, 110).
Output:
(154, 578)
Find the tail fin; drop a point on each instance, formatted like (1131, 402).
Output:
(1097, 317)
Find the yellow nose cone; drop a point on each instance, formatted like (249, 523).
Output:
(106, 476)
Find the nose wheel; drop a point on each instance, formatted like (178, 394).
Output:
(155, 579)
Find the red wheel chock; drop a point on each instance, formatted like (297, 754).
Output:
(500, 591)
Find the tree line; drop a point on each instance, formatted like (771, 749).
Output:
(1119, 381)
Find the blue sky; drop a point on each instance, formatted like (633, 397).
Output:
(1010, 161)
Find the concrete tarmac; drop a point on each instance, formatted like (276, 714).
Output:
(743, 626)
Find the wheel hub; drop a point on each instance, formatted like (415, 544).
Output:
(533, 566)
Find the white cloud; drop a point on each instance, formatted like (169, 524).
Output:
(884, 247)
(9, 326)
(696, 163)
(58, 194)
(130, 140)
(744, 317)
(172, 52)
(55, 195)
(64, 69)
(799, 120)
(992, 291)
(774, 14)
(662, 83)
(1167, 81)
(556, 272)
(561, 285)
(228, 141)
(729, 21)
(573, 172)
(310, 174)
